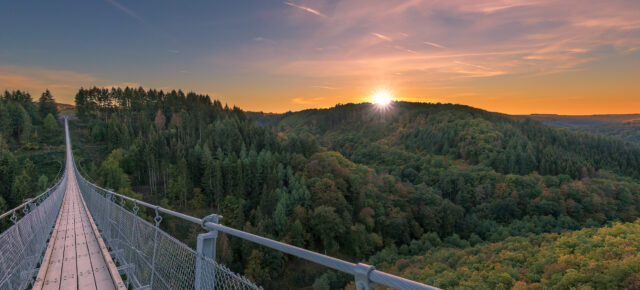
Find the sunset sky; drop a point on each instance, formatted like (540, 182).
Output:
(517, 57)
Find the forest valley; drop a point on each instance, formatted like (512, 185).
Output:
(445, 194)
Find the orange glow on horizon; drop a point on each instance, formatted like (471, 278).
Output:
(382, 97)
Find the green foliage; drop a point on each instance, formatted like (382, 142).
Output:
(3, 205)
(327, 225)
(197, 201)
(51, 128)
(24, 184)
(43, 183)
(255, 271)
(592, 258)
(8, 168)
(19, 123)
(325, 281)
(111, 175)
(24, 161)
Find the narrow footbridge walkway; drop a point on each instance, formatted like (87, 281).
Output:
(76, 256)
(77, 235)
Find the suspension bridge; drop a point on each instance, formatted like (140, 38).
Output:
(77, 235)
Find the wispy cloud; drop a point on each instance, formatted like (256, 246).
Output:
(381, 36)
(125, 10)
(434, 44)
(522, 37)
(264, 40)
(304, 8)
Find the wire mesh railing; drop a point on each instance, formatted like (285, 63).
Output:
(23, 244)
(147, 255)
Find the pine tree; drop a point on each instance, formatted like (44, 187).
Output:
(19, 126)
(46, 105)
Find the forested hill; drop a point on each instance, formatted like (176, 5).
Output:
(353, 181)
(594, 258)
(31, 147)
(626, 127)
(502, 142)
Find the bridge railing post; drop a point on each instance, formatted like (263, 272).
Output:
(206, 247)
(362, 276)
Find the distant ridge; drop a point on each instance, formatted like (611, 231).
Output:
(612, 118)
(63, 107)
(624, 126)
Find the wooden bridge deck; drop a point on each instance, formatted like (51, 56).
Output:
(76, 257)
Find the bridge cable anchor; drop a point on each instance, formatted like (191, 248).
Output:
(135, 208)
(158, 217)
(14, 217)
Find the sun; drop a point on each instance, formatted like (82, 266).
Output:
(382, 98)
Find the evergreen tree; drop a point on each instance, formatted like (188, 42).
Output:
(46, 105)
(19, 122)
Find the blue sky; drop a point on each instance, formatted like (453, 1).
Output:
(514, 56)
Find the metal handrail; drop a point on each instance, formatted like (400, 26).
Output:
(31, 200)
(373, 275)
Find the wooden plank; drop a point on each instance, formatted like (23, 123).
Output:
(102, 258)
(86, 277)
(54, 270)
(69, 275)
(48, 255)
